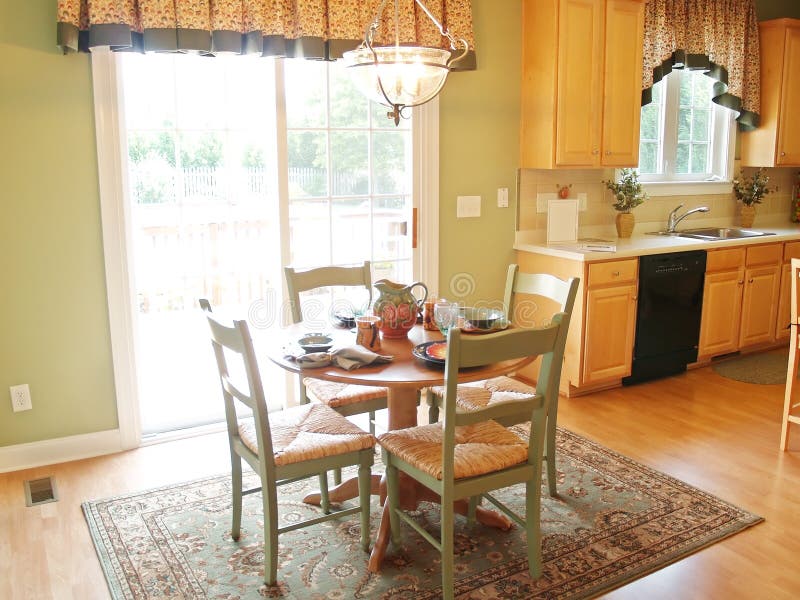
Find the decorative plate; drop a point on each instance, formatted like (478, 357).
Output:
(432, 353)
(498, 325)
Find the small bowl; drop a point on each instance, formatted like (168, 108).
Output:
(315, 342)
(482, 318)
(343, 319)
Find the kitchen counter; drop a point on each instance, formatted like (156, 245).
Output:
(641, 244)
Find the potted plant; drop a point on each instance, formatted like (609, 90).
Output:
(628, 194)
(750, 190)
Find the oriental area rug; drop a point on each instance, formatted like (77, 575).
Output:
(614, 520)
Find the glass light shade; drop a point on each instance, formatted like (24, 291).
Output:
(410, 75)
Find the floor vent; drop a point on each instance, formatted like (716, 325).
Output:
(40, 491)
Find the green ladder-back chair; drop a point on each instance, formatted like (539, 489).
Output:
(499, 389)
(470, 454)
(345, 399)
(275, 445)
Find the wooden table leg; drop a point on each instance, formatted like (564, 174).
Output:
(402, 405)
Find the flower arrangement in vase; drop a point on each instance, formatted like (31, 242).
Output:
(750, 190)
(628, 194)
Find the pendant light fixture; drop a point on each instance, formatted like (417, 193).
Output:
(401, 76)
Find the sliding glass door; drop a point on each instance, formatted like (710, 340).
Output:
(237, 166)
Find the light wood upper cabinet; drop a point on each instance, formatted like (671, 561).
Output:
(777, 140)
(622, 86)
(581, 83)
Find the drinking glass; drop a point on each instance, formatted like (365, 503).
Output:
(445, 315)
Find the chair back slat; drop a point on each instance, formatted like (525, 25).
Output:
(507, 345)
(560, 291)
(230, 387)
(303, 281)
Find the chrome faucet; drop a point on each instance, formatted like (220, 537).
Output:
(673, 219)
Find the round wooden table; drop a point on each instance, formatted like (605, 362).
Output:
(404, 377)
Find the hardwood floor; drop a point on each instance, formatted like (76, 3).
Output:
(715, 433)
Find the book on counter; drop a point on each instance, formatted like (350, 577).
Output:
(588, 245)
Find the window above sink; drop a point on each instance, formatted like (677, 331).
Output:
(686, 142)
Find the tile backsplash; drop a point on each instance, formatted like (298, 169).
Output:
(652, 214)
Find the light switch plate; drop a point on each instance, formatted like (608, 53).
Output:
(541, 201)
(502, 197)
(468, 206)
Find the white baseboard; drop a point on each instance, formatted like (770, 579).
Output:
(58, 450)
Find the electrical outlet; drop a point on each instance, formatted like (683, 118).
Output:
(21, 397)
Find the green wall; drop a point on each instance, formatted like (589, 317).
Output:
(479, 117)
(53, 316)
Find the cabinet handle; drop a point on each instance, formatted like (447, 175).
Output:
(749, 281)
(608, 152)
(634, 298)
(615, 273)
(595, 151)
(783, 153)
(741, 282)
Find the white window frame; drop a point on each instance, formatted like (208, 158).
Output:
(722, 144)
(117, 231)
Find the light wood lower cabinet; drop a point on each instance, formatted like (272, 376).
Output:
(740, 299)
(599, 347)
(759, 305)
(610, 320)
(722, 311)
(790, 250)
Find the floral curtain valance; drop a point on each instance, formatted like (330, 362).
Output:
(718, 36)
(321, 29)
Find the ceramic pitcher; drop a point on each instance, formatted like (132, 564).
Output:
(398, 307)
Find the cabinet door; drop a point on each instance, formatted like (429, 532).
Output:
(759, 305)
(622, 84)
(722, 309)
(610, 322)
(782, 330)
(579, 88)
(788, 153)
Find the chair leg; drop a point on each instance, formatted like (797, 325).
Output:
(550, 456)
(472, 509)
(325, 502)
(236, 488)
(433, 406)
(447, 535)
(364, 485)
(372, 422)
(392, 492)
(533, 527)
(269, 500)
(791, 381)
(337, 476)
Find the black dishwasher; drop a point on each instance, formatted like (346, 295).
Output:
(667, 314)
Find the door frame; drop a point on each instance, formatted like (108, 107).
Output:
(117, 232)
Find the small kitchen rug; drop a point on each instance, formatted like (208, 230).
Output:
(615, 520)
(767, 368)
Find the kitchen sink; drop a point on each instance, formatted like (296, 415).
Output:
(715, 233)
(722, 233)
